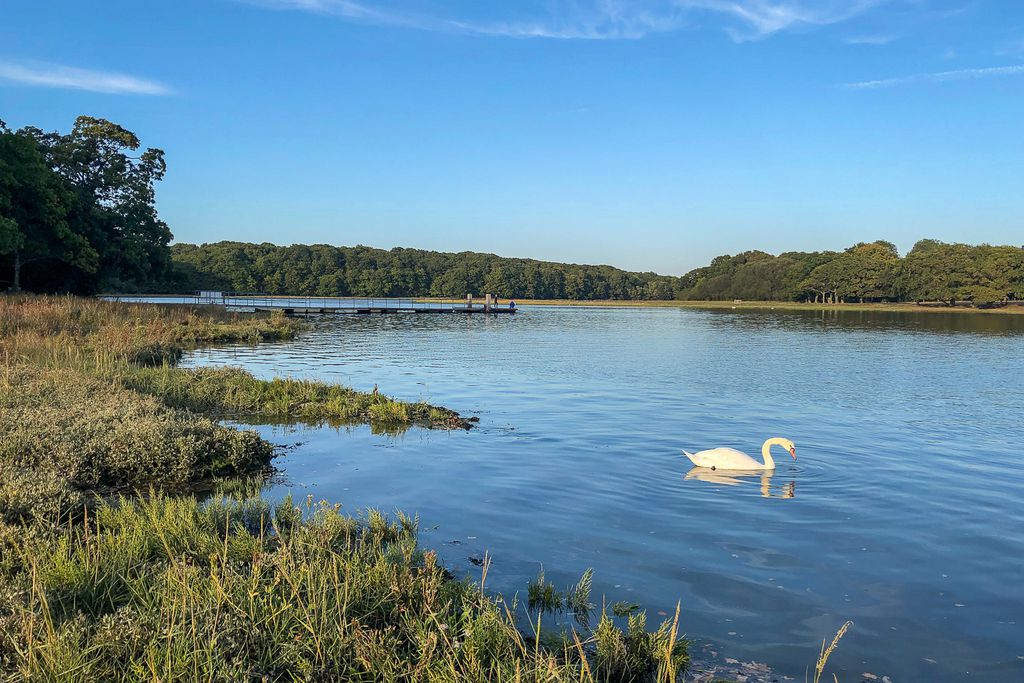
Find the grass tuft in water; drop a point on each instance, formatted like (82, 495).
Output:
(579, 598)
(636, 654)
(542, 595)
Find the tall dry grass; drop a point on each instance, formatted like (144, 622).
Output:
(67, 331)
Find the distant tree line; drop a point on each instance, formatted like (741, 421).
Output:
(77, 211)
(78, 214)
(865, 272)
(323, 270)
(931, 271)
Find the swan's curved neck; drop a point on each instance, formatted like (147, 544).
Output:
(769, 461)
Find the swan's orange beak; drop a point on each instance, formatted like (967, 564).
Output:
(792, 451)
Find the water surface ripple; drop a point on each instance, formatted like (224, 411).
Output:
(905, 512)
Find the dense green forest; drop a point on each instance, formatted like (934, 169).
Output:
(78, 214)
(931, 271)
(324, 270)
(77, 211)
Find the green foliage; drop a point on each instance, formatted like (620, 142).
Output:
(984, 274)
(636, 654)
(77, 214)
(931, 271)
(624, 609)
(77, 211)
(169, 589)
(864, 272)
(34, 207)
(323, 270)
(542, 595)
(579, 597)
(235, 392)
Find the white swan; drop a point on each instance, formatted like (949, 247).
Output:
(732, 459)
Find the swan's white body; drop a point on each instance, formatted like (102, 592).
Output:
(732, 459)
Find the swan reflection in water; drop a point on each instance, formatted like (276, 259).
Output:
(738, 477)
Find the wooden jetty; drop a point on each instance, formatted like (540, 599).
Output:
(317, 305)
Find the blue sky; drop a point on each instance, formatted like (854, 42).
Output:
(651, 134)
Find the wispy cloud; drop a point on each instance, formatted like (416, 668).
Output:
(596, 20)
(760, 18)
(870, 39)
(601, 19)
(47, 75)
(939, 77)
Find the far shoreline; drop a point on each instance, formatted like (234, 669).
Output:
(1014, 308)
(1011, 308)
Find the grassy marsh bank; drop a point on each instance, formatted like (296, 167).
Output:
(91, 400)
(237, 393)
(169, 589)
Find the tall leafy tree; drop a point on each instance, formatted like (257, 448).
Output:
(34, 207)
(114, 201)
(936, 271)
(864, 271)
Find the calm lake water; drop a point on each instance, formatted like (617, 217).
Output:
(904, 512)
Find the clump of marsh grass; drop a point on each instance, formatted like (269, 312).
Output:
(579, 597)
(138, 346)
(637, 654)
(65, 436)
(542, 595)
(170, 589)
(231, 391)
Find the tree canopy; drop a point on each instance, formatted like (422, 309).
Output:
(325, 270)
(868, 271)
(874, 271)
(77, 211)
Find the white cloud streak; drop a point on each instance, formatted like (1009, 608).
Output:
(764, 17)
(45, 75)
(939, 77)
(605, 19)
(870, 39)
